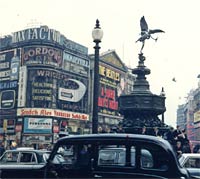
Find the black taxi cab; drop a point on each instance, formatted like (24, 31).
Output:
(113, 156)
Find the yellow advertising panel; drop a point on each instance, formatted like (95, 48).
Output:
(5, 125)
(197, 116)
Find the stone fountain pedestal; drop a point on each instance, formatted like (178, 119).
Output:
(141, 108)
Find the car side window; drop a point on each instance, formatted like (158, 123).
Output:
(192, 163)
(111, 155)
(10, 157)
(66, 154)
(146, 159)
(76, 155)
(26, 157)
(150, 158)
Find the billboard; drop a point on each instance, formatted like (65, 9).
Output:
(108, 94)
(75, 64)
(7, 99)
(197, 117)
(46, 112)
(7, 126)
(42, 55)
(9, 64)
(22, 86)
(47, 88)
(38, 125)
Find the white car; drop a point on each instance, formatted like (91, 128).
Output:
(191, 161)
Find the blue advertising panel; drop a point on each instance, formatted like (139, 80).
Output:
(37, 125)
(9, 64)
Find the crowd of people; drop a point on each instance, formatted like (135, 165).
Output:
(176, 137)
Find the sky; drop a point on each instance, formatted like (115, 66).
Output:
(174, 55)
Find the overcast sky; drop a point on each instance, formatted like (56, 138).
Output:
(175, 54)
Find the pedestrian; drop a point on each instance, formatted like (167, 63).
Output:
(120, 129)
(177, 133)
(170, 137)
(2, 148)
(178, 149)
(196, 148)
(156, 132)
(144, 130)
(13, 145)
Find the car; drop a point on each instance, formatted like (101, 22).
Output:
(23, 163)
(114, 156)
(191, 161)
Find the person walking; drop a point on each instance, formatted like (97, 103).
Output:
(2, 148)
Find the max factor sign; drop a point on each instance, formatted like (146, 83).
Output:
(42, 33)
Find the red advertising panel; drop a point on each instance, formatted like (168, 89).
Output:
(108, 94)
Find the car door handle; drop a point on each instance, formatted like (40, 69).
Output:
(97, 176)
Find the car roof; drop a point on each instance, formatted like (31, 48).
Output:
(28, 150)
(110, 136)
(190, 154)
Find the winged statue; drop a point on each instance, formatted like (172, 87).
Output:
(146, 32)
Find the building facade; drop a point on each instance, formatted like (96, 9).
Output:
(188, 116)
(46, 87)
(44, 79)
(112, 79)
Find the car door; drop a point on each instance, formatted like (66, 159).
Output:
(9, 164)
(26, 164)
(123, 160)
(70, 160)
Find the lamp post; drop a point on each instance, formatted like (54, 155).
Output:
(97, 35)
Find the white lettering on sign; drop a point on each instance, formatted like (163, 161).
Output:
(41, 33)
(5, 73)
(4, 65)
(3, 57)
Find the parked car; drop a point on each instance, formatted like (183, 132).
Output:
(23, 163)
(191, 161)
(114, 156)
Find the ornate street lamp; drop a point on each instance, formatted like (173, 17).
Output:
(97, 35)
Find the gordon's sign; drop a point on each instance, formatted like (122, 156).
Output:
(51, 113)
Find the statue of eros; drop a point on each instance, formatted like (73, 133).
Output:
(146, 33)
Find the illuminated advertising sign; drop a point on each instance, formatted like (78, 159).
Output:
(37, 55)
(73, 95)
(9, 64)
(75, 64)
(108, 97)
(22, 86)
(75, 59)
(7, 126)
(8, 85)
(42, 33)
(197, 117)
(38, 125)
(52, 113)
(55, 89)
(7, 99)
(45, 35)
